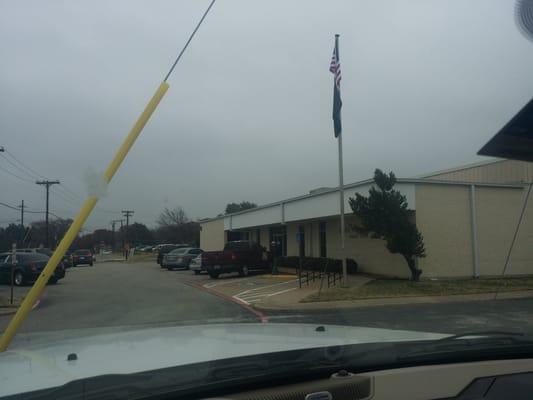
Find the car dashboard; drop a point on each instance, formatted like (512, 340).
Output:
(501, 379)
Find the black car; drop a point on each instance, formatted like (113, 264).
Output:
(27, 268)
(167, 248)
(82, 257)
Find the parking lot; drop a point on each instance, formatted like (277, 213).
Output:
(118, 295)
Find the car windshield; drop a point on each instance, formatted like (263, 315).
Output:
(29, 257)
(357, 174)
(178, 251)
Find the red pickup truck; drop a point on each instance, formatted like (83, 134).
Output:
(238, 256)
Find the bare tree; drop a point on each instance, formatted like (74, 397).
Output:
(175, 216)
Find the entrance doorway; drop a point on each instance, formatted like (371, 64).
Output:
(278, 241)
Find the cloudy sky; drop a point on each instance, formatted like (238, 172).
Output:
(248, 113)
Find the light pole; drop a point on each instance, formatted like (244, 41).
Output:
(47, 185)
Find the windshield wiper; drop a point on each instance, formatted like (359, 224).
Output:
(481, 334)
(471, 345)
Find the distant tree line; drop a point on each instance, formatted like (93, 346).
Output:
(172, 226)
(236, 207)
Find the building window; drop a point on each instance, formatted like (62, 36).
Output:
(322, 239)
(258, 236)
(301, 240)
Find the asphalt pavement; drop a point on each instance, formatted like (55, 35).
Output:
(120, 294)
(124, 296)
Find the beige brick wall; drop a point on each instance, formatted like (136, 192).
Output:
(443, 218)
(212, 236)
(371, 254)
(504, 171)
(498, 211)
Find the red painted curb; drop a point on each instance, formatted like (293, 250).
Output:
(260, 315)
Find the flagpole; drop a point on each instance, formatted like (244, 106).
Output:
(341, 200)
(338, 133)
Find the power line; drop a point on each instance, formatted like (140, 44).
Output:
(35, 175)
(15, 175)
(28, 211)
(24, 165)
(66, 199)
(17, 167)
(72, 193)
(8, 206)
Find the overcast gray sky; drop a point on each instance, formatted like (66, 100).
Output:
(248, 113)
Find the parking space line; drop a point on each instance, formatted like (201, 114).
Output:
(282, 291)
(266, 287)
(250, 297)
(224, 282)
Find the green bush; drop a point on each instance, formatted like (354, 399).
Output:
(317, 264)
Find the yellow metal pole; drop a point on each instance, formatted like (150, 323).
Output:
(38, 287)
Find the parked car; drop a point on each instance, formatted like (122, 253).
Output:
(41, 250)
(238, 256)
(27, 268)
(196, 265)
(167, 248)
(180, 258)
(143, 247)
(67, 260)
(82, 257)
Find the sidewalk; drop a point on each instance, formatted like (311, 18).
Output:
(282, 292)
(291, 301)
(267, 291)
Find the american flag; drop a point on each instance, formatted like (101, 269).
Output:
(335, 68)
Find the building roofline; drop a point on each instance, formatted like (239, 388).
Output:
(366, 182)
(462, 167)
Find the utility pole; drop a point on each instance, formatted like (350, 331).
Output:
(13, 264)
(47, 185)
(22, 206)
(113, 234)
(127, 214)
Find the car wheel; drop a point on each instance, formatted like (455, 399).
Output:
(244, 271)
(196, 272)
(214, 275)
(91, 264)
(18, 278)
(52, 281)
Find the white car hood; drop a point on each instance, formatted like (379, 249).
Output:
(36, 366)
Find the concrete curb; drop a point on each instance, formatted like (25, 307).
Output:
(392, 301)
(260, 315)
(7, 310)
